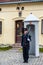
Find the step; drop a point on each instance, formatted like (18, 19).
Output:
(17, 45)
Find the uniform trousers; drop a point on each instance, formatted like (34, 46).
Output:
(25, 53)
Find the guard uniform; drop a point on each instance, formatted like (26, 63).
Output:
(26, 46)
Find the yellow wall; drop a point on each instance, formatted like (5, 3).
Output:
(9, 15)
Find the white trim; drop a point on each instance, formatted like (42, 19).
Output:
(31, 17)
(37, 40)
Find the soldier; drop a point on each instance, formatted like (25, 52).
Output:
(25, 43)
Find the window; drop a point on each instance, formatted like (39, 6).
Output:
(18, 8)
(0, 27)
(0, 9)
(22, 8)
(42, 26)
(20, 13)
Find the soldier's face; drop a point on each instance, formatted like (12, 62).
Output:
(25, 32)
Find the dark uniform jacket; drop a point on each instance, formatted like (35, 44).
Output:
(25, 41)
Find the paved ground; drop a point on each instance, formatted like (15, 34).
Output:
(13, 57)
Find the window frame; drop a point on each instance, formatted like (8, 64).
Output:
(1, 27)
(42, 26)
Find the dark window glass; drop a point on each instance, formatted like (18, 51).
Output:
(20, 14)
(18, 8)
(42, 26)
(0, 27)
(0, 9)
(22, 8)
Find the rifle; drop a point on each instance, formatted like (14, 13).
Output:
(29, 29)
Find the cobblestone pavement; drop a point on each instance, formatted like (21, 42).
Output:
(14, 57)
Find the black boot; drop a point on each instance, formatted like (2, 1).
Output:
(27, 61)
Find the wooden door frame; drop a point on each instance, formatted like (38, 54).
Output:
(15, 28)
